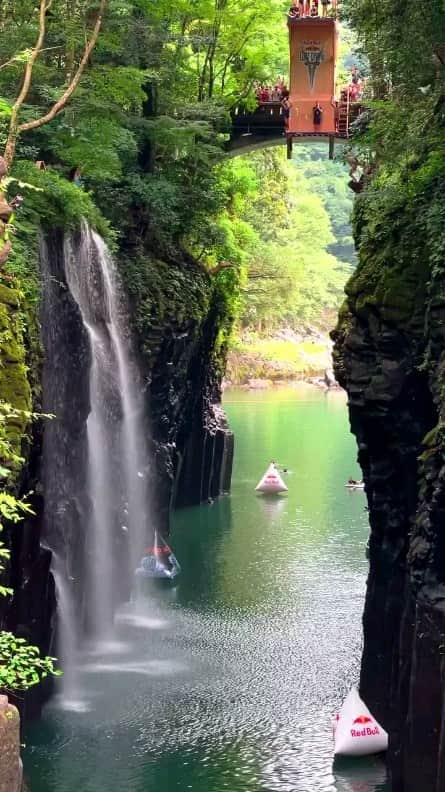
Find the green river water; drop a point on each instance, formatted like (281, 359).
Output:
(229, 682)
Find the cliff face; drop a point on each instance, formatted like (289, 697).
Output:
(389, 356)
(178, 316)
(182, 317)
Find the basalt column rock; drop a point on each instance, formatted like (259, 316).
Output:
(389, 357)
(56, 491)
(180, 316)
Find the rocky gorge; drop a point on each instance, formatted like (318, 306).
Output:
(389, 357)
(178, 315)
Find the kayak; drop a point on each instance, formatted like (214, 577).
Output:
(158, 562)
(355, 486)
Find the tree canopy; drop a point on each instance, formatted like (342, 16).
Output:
(146, 121)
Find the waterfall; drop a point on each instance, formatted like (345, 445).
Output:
(116, 426)
(68, 638)
(96, 460)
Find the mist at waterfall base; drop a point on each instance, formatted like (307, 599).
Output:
(95, 467)
(230, 680)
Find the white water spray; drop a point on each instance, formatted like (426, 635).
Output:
(116, 427)
(68, 639)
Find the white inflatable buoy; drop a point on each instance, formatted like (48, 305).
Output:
(271, 483)
(356, 732)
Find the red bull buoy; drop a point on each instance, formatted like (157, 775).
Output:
(356, 731)
(158, 562)
(271, 483)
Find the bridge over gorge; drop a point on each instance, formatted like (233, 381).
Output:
(313, 82)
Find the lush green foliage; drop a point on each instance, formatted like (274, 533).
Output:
(404, 135)
(328, 180)
(190, 61)
(147, 123)
(399, 220)
(278, 225)
(259, 356)
(21, 665)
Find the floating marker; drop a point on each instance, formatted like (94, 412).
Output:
(271, 483)
(356, 731)
(158, 562)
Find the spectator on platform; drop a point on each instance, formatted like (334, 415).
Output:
(294, 11)
(276, 94)
(317, 112)
(355, 91)
(286, 104)
(314, 9)
(324, 7)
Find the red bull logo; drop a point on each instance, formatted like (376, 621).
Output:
(362, 719)
(157, 550)
(366, 731)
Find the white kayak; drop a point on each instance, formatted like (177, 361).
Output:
(271, 483)
(358, 486)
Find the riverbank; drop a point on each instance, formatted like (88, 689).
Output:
(281, 357)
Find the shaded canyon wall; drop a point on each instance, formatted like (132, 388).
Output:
(390, 357)
(177, 313)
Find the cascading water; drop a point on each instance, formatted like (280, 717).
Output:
(99, 490)
(117, 458)
(68, 637)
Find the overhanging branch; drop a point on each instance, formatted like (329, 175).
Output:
(60, 105)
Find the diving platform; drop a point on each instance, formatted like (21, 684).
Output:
(265, 126)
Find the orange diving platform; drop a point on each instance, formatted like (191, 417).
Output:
(313, 65)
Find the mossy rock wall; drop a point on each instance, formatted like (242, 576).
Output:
(389, 355)
(183, 317)
(14, 383)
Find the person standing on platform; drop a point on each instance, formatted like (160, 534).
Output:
(324, 6)
(317, 112)
(287, 106)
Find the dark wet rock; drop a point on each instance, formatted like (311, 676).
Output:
(179, 314)
(388, 356)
